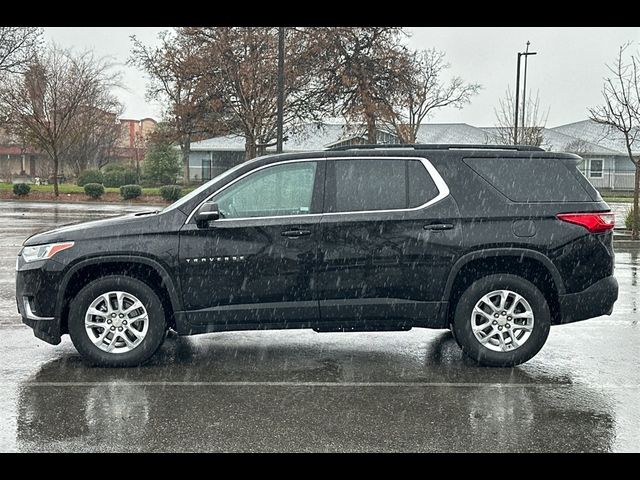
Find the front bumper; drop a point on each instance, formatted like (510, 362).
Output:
(36, 291)
(596, 300)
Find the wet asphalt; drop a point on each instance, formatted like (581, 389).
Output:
(300, 391)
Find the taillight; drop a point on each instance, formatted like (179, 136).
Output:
(594, 222)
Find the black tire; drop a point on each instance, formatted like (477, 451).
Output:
(155, 335)
(472, 347)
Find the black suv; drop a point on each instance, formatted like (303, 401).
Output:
(497, 243)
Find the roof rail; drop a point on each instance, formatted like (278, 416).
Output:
(437, 146)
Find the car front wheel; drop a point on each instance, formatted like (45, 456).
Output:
(117, 321)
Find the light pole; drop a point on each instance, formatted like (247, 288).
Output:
(525, 55)
(280, 88)
(524, 86)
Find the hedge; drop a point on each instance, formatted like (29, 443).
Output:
(127, 192)
(118, 175)
(171, 193)
(90, 176)
(94, 190)
(21, 189)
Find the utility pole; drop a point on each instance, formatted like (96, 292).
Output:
(280, 88)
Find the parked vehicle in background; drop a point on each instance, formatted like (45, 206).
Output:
(497, 243)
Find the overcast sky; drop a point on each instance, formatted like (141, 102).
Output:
(567, 70)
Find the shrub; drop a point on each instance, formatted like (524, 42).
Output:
(94, 190)
(127, 192)
(628, 220)
(90, 176)
(21, 189)
(119, 175)
(171, 193)
(162, 163)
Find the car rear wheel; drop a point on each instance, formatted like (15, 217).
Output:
(117, 321)
(501, 320)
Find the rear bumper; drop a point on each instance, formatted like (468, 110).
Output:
(594, 301)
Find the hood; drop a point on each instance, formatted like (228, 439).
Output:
(134, 223)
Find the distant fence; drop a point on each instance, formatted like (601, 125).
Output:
(607, 179)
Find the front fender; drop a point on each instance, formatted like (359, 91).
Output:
(171, 285)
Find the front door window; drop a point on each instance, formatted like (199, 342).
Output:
(285, 189)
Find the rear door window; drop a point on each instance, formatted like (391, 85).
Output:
(357, 185)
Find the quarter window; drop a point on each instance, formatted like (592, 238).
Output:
(421, 186)
(285, 189)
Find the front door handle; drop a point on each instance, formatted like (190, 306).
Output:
(295, 233)
(438, 226)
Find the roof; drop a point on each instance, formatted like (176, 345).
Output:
(454, 133)
(225, 142)
(17, 150)
(595, 133)
(560, 142)
(584, 137)
(309, 136)
(319, 135)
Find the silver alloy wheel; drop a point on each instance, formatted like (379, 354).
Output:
(502, 320)
(116, 322)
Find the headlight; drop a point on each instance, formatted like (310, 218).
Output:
(41, 252)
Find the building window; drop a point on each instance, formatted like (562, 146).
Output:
(595, 169)
(206, 170)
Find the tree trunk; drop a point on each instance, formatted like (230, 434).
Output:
(186, 150)
(371, 129)
(635, 234)
(56, 192)
(249, 149)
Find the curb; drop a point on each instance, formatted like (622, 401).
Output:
(85, 202)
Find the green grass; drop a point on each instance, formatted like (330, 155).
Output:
(618, 199)
(65, 188)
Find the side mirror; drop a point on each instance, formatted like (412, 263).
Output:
(207, 213)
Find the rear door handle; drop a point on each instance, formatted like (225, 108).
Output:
(295, 233)
(438, 226)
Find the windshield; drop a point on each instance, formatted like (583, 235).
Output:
(200, 189)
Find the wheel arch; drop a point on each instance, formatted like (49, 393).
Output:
(528, 264)
(144, 269)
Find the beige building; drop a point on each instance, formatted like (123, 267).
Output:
(133, 140)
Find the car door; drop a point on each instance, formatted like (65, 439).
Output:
(388, 237)
(257, 262)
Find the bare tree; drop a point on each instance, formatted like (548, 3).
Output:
(44, 105)
(18, 47)
(577, 146)
(531, 133)
(425, 91)
(363, 70)
(175, 74)
(621, 114)
(239, 68)
(99, 132)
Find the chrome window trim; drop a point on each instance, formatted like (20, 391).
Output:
(443, 189)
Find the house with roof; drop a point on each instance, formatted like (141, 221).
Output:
(213, 156)
(605, 162)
